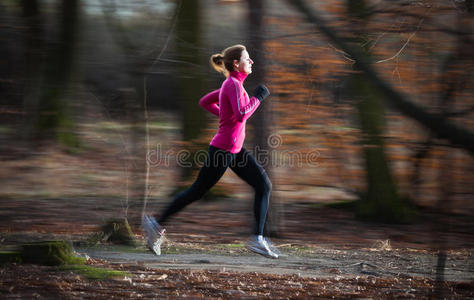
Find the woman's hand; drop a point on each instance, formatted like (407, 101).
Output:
(261, 92)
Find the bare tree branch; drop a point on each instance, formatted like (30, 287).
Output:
(406, 43)
(437, 123)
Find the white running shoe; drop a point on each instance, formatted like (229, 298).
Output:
(154, 233)
(263, 247)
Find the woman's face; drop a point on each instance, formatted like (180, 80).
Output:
(244, 65)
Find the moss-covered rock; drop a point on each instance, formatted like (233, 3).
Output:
(50, 253)
(95, 273)
(9, 257)
(118, 231)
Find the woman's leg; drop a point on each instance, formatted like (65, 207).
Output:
(214, 167)
(248, 168)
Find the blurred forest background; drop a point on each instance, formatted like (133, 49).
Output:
(371, 104)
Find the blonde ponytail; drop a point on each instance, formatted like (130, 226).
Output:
(217, 62)
(224, 62)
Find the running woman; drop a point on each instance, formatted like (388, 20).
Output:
(233, 106)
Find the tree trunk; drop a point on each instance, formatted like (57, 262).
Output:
(455, 76)
(189, 81)
(55, 119)
(33, 47)
(381, 200)
(261, 121)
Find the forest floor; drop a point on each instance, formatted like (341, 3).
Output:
(327, 254)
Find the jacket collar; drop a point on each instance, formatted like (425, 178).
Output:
(240, 76)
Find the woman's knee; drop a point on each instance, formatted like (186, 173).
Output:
(268, 184)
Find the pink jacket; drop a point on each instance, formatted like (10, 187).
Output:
(233, 106)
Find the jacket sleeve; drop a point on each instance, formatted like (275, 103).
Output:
(210, 102)
(242, 106)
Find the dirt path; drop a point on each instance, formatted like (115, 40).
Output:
(219, 269)
(330, 254)
(318, 263)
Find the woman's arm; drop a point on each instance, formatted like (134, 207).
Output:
(242, 106)
(209, 102)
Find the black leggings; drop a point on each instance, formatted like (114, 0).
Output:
(217, 162)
